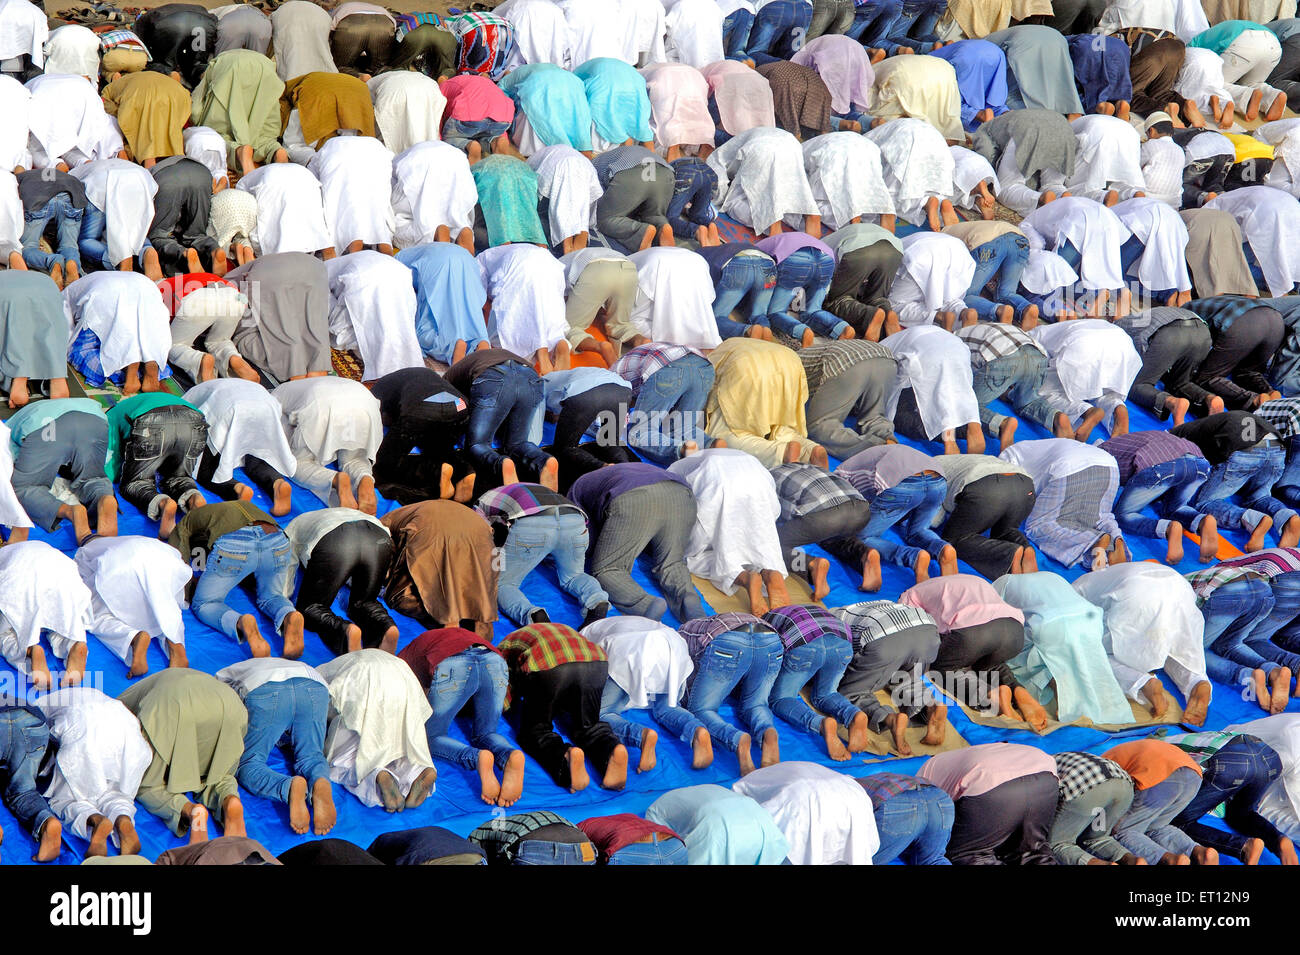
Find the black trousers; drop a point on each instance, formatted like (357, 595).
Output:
(180, 37)
(842, 520)
(357, 554)
(407, 476)
(861, 284)
(1008, 825)
(1204, 176)
(1076, 16)
(996, 505)
(163, 447)
(259, 472)
(1173, 354)
(631, 202)
(428, 50)
(180, 222)
(978, 655)
(1286, 75)
(577, 415)
(363, 43)
(569, 693)
(1236, 367)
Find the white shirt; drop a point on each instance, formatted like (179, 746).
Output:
(306, 530)
(247, 675)
(646, 658)
(827, 818)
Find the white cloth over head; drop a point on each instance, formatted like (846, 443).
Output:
(72, 49)
(243, 419)
(694, 32)
(138, 586)
(372, 310)
(568, 180)
(326, 414)
(124, 192)
(935, 275)
(125, 312)
(408, 108)
(67, 119)
(847, 178)
(646, 658)
(356, 175)
(1095, 232)
(525, 284)
(935, 364)
(204, 144)
(540, 33)
(1270, 223)
(15, 106)
(1163, 234)
(674, 298)
(761, 178)
(12, 513)
(827, 818)
(432, 187)
(679, 104)
(40, 590)
(916, 162)
(290, 209)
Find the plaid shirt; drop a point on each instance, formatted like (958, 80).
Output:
(1220, 311)
(636, 366)
(112, 39)
(507, 504)
(874, 620)
(823, 360)
(992, 340)
(545, 646)
(622, 158)
(882, 786)
(484, 42)
(699, 633)
(803, 623)
(1142, 326)
(1139, 450)
(499, 838)
(805, 489)
(1076, 773)
(1266, 563)
(1282, 414)
(1201, 746)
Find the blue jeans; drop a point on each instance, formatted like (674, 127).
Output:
(665, 850)
(751, 276)
(502, 401)
(677, 392)
(735, 33)
(24, 737)
(459, 132)
(914, 826)
(1238, 774)
(811, 270)
(817, 665)
(1287, 488)
(542, 852)
(478, 676)
(740, 660)
(1170, 486)
(67, 227)
(914, 26)
(1001, 261)
(1247, 476)
(1231, 614)
(779, 30)
(1146, 830)
(911, 504)
(1129, 253)
(1017, 377)
(692, 203)
(872, 20)
(284, 713)
(268, 557)
(1277, 636)
(92, 240)
(614, 700)
(561, 536)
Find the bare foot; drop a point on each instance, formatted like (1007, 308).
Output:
(871, 575)
(74, 667)
(744, 754)
(421, 788)
(1290, 535)
(352, 638)
(936, 725)
(1174, 538)
(1209, 539)
(648, 761)
(489, 788)
(835, 748)
(51, 841)
(101, 827)
(390, 795)
(281, 498)
(550, 476)
(771, 750)
(246, 625)
(1007, 433)
(777, 595)
(388, 642)
(859, 733)
(139, 656)
(1259, 535)
(177, 659)
(1279, 687)
(1006, 705)
(128, 841)
(922, 566)
(512, 779)
(292, 633)
(1031, 709)
(1090, 420)
(1178, 408)
(299, 816)
(1198, 704)
(323, 813)
(701, 749)
(947, 561)
(819, 569)
(578, 778)
(897, 725)
(198, 820)
(232, 817)
(367, 503)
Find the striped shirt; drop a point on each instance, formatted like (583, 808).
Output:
(545, 646)
(882, 786)
(112, 39)
(636, 366)
(874, 620)
(1139, 450)
(798, 624)
(505, 505)
(500, 838)
(1078, 772)
(805, 489)
(1282, 414)
(700, 632)
(622, 158)
(1266, 563)
(823, 360)
(1202, 746)
(992, 340)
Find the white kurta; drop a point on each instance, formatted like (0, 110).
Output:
(125, 312)
(916, 162)
(124, 192)
(1094, 231)
(1164, 237)
(1186, 18)
(72, 49)
(540, 32)
(761, 178)
(568, 180)
(1152, 623)
(1092, 362)
(1046, 272)
(15, 106)
(694, 32)
(847, 178)
(101, 759)
(204, 144)
(674, 298)
(290, 209)
(1108, 155)
(23, 31)
(327, 414)
(243, 418)
(935, 364)
(827, 818)
(408, 108)
(40, 590)
(67, 119)
(377, 717)
(597, 29)
(736, 509)
(372, 310)
(646, 658)
(969, 169)
(935, 275)
(432, 187)
(12, 513)
(525, 284)
(137, 586)
(356, 175)
(1270, 222)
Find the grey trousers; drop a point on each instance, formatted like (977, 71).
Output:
(860, 391)
(895, 663)
(1081, 830)
(633, 199)
(76, 440)
(656, 518)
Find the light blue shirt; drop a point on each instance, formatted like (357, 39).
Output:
(36, 415)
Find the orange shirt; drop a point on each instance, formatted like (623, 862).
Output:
(1151, 761)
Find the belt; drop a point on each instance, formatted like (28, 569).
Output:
(1265, 443)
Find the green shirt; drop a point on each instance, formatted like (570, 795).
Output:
(34, 416)
(123, 414)
(204, 525)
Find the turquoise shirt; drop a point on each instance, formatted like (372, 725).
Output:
(1220, 36)
(34, 416)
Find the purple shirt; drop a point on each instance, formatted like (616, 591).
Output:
(799, 624)
(784, 244)
(596, 490)
(699, 633)
(1139, 450)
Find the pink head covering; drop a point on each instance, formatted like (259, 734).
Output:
(743, 96)
(844, 66)
(679, 104)
(959, 600)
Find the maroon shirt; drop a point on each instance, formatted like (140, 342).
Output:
(425, 652)
(611, 833)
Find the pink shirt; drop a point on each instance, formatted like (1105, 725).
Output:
(959, 600)
(473, 98)
(976, 770)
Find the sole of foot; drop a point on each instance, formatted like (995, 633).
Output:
(835, 747)
(1198, 705)
(293, 643)
(702, 748)
(421, 788)
(744, 754)
(247, 628)
(51, 842)
(512, 780)
(299, 816)
(648, 760)
(390, 795)
(489, 788)
(128, 841)
(616, 772)
(578, 778)
(771, 749)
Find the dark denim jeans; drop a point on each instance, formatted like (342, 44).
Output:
(740, 660)
(914, 826)
(67, 227)
(1001, 261)
(92, 240)
(164, 444)
(1240, 491)
(872, 20)
(670, 409)
(779, 30)
(914, 26)
(817, 665)
(502, 402)
(1277, 636)
(811, 270)
(23, 739)
(692, 202)
(911, 505)
(1287, 488)
(1017, 377)
(1171, 487)
(284, 713)
(1237, 775)
(475, 679)
(1231, 613)
(744, 276)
